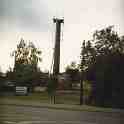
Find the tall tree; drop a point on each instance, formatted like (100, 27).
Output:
(105, 68)
(107, 41)
(26, 58)
(87, 56)
(73, 72)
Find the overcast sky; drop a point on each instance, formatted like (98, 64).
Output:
(32, 20)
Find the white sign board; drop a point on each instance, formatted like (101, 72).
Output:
(21, 90)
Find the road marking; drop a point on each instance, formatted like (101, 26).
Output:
(54, 122)
(48, 122)
(8, 122)
(38, 122)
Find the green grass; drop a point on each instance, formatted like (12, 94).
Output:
(62, 99)
(31, 97)
(68, 99)
(44, 97)
(83, 108)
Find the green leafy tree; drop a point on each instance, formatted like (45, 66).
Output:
(107, 41)
(26, 58)
(2, 80)
(109, 67)
(106, 68)
(88, 55)
(73, 72)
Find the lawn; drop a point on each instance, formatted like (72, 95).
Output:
(44, 97)
(30, 97)
(68, 101)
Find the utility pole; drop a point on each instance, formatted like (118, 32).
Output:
(56, 63)
(57, 45)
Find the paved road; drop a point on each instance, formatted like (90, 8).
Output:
(10, 114)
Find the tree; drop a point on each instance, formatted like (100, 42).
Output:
(104, 67)
(73, 72)
(26, 58)
(87, 56)
(26, 54)
(10, 75)
(110, 52)
(1, 81)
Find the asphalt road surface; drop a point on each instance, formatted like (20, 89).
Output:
(10, 114)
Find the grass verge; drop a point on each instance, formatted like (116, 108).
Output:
(42, 100)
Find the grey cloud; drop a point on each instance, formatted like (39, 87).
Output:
(25, 14)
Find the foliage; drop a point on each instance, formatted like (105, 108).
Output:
(26, 58)
(52, 85)
(88, 54)
(2, 80)
(26, 54)
(73, 72)
(102, 61)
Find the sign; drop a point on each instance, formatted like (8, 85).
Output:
(21, 90)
